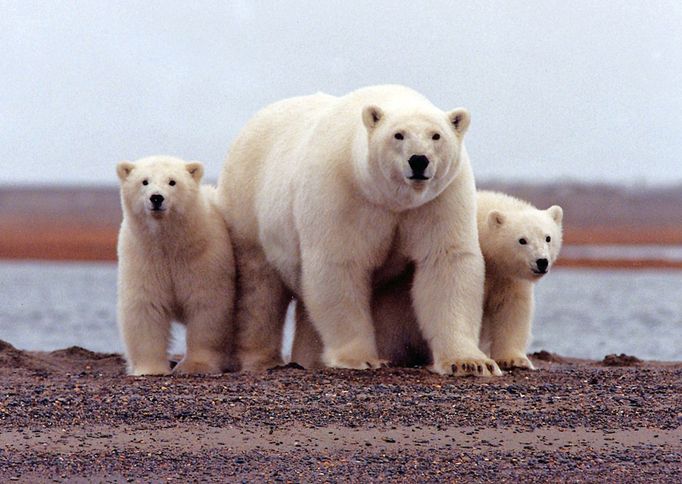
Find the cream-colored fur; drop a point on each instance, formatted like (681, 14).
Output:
(511, 270)
(175, 263)
(322, 205)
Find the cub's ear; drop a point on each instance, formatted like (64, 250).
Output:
(196, 169)
(123, 169)
(460, 119)
(557, 213)
(496, 218)
(371, 116)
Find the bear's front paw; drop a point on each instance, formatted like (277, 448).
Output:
(355, 355)
(193, 367)
(357, 363)
(482, 366)
(515, 361)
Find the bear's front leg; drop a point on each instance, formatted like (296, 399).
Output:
(336, 295)
(509, 328)
(448, 297)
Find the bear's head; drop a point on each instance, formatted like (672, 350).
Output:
(159, 187)
(523, 243)
(413, 154)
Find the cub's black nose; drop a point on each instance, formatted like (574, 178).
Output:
(156, 200)
(542, 264)
(418, 163)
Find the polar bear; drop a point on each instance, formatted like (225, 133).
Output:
(520, 244)
(175, 263)
(327, 196)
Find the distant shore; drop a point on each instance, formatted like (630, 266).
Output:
(69, 223)
(74, 243)
(73, 415)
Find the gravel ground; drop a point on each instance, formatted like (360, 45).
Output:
(73, 415)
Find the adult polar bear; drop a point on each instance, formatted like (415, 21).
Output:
(326, 196)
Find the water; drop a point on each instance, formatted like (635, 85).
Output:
(668, 253)
(581, 313)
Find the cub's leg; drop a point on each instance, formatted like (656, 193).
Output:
(209, 339)
(261, 305)
(507, 330)
(145, 329)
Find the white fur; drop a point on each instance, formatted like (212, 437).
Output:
(508, 307)
(174, 264)
(317, 195)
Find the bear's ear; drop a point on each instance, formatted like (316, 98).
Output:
(371, 115)
(460, 119)
(196, 169)
(496, 218)
(556, 212)
(123, 169)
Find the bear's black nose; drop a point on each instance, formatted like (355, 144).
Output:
(542, 264)
(418, 163)
(156, 200)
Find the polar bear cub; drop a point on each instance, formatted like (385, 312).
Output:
(175, 263)
(326, 195)
(520, 244)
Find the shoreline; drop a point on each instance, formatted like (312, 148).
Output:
(100, 246)
(72, 414)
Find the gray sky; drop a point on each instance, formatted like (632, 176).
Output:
(584, 90)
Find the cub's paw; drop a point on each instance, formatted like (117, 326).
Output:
(511, 362)
(193, 367)
(467, 366)
(161, 368)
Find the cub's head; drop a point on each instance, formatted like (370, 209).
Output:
(525, 243)
(158, 186)
(413, 154)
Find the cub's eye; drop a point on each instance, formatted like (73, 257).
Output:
(523, 241)
(145, 182)
(398, 136)
(172, 183)
(548, 239)
(436, 137)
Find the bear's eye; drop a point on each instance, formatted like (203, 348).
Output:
(145, 182)
(172, 183)
(398, 136)
(548, 239)
(523, 241)
(436, 137)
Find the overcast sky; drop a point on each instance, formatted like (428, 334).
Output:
(584, 90)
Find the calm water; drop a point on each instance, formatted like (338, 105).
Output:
(582, 313)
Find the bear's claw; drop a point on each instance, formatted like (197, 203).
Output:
(474, 367)
(515, 362)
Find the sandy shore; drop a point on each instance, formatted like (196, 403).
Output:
(73, 415)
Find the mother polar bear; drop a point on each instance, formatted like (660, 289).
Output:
(326, 197)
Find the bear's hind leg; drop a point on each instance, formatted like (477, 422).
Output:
(307, 347)
(261, 306)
